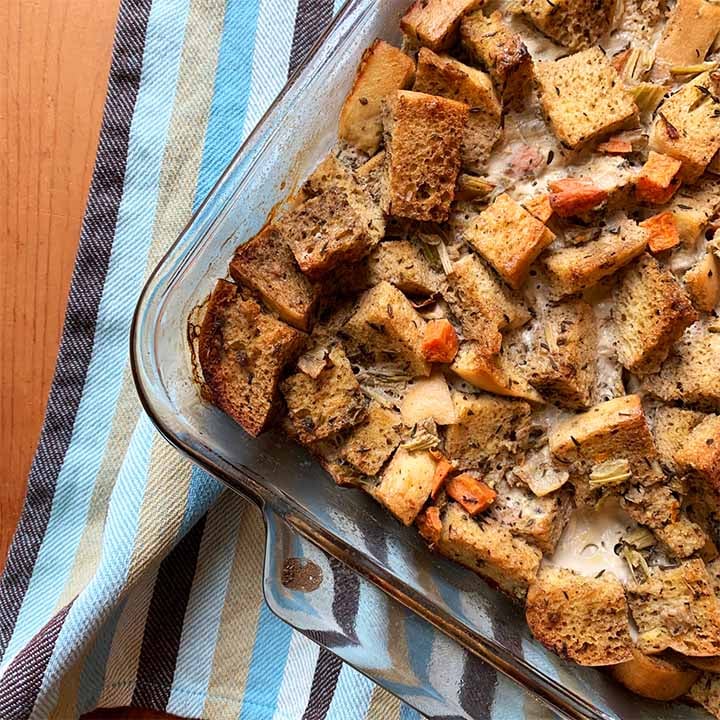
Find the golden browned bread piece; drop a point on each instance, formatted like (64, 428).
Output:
(576, 268)
(266, 265)
(681, 538)
(677, 609)
(372, 442)
(243, 350)
(583, 96)
(423, 142)
(671, 429)
(641, 18)
(486, 427)
(402, 263)
(492, 44)
(406, 484)
(706, 692)
(563, 367)
(386, 323)
(693, 206)
(488, 548)
(575, 24)
(654, 677)
(328, 455)
(509, 238)
(435, 23)
(702, 283)
(447, 77)
(686, 127)
(581, 618)
(700, 453)
(326, 404)
(650, 313)
(689, 375)
(383, 69)
(371, 175)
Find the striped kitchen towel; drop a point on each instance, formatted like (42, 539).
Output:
(132, 580)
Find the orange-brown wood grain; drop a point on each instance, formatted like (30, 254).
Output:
(54, 61)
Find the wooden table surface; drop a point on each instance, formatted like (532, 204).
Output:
(53, 78)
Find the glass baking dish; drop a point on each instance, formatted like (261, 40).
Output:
(413, 621)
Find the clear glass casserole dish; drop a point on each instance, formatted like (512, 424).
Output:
(413, 621)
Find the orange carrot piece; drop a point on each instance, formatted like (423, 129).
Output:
(473, 494)
(616, 146)
(429, 524)
(663, 232)
(570, 196)
(441, 342)
(657, 181)
(443, 468)
(540, 207)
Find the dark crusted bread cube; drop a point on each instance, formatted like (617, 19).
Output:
(576, 268)
(492, 44)
(372, 442)
(326, 404)
(486, 428)
(682, 538)
(671, 428)
(702, 283)
(266, 265)
(243, 350)
(690, 373)
(700, 454)
(491, 550)
(706, 692)
(386, 323)
(509, 238)
(575, 24)
(371, 175)
(563, 368)
(650, 313)
(449, 78)
(338, 224)
(676, 609)
(434, 23)
(402, 263)
(383, 69)
(583, 619)
(583, 96)
(423, 142)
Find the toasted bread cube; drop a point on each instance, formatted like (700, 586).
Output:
(434, 23)
(327, 404)
(402, 263)
(700, 454)
(491, 43)
(706, 692)
(483, 304)
(641, 18)
(386, 322)
(242, 352)
(539, 520)
(658, 179)
(406, 484)
(686, 126)
(266, 265)
(654, 677)
(371, 175)
(428, 398)
(663, 232)
(692, 208)
(423, 142)
(509, 238)
(383, 69)
(339, 225)
(540, 207)
(328, 455)
(575, 24)
(486, 427)
(702, 282)
(580, 618)
(650, 314)
(563, 368)
(445, 76)
(576, 268)
(489, 549)
(655, 505)
(688, 34)
(671, 429)
(690, 372)
(371, 443)
(676, 609)
(681, 538)
(583, 97)
(613, 430)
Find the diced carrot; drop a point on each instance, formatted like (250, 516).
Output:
(570, 196)
(443, 468)
(663, 232)
(441, 341)
(429, 524)
(540, 207)
(616, 146)
(657, 181)
(473, 494)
